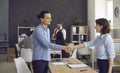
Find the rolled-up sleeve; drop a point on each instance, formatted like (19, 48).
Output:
(109, 47)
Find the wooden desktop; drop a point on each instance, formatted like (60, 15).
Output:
(65, 69)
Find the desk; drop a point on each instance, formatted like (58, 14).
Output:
(65, 69)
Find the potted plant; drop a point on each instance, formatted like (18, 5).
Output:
(78, 22)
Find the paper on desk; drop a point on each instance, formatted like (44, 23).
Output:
(77, 65)
(59, 63)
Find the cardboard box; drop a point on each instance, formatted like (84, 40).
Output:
(11, 54)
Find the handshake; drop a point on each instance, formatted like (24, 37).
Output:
(68, 49)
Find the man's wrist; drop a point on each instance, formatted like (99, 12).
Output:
(63, 48)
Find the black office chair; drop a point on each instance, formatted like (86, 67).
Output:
(84, 55)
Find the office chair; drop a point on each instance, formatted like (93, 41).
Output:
(21, 65)
(84, 54)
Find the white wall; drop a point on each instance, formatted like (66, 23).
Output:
(96, 9)
(100, 9)
(116, 20)
(91, 18)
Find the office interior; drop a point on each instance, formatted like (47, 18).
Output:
(15, 14)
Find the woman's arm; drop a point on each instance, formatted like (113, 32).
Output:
(111, 60)
(85, 45)
(79, 46)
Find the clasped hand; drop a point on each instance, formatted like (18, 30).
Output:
(68, 49)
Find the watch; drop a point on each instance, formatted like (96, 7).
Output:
(116, 11)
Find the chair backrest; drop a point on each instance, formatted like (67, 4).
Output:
(21, 65)
(26, 54)
(18, 49)
(84, 51)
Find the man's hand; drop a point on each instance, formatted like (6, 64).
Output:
(53, 38)
(68, 49)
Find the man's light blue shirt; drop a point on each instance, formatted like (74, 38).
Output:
(42, 44)
(104, 46)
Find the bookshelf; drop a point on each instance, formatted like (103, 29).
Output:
(23, 32)
(79, 34)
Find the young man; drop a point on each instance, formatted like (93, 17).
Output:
(42, 44)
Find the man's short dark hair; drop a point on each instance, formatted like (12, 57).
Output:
(42, 13)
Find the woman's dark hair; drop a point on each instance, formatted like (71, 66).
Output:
(42, 13)
(103, 22)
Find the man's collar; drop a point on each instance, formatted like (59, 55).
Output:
(45, 28)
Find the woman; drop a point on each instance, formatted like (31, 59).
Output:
(104, 46)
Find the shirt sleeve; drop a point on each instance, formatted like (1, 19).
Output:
(44, 41)
(64, 33)
(109, 45)
(90, 43)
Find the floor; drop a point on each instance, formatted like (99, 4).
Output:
(5, 66)
(9, 67)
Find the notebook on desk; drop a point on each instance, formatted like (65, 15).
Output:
(77, 65)
(58, 61)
